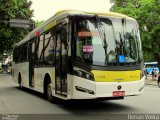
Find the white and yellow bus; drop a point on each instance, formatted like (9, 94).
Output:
(81, 55)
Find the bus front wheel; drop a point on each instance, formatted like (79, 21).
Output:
(49, 92)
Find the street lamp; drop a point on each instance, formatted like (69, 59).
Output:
(21, 23)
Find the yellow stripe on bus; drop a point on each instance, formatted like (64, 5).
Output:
(50, 25)
(116, 76)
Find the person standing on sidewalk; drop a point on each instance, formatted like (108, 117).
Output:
(155, 74)
(158, 79)
(152, 74)
(145, 73)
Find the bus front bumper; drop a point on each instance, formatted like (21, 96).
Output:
(86, 89)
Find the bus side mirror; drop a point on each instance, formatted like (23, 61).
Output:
(65, 21)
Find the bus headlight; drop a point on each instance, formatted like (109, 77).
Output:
(84, 74)
(89, 76)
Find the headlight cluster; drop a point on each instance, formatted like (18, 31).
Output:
(84, 74)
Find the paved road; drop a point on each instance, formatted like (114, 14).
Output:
(16, 101)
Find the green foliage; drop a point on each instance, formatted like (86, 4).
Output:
(38, 23)
(12, 9)
(147, 13)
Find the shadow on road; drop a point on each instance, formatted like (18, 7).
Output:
(31, 92)
(84, 106)
(94, 106)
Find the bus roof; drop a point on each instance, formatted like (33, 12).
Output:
(62, 14)
(95, 13)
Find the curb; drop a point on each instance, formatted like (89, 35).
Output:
(152, 84)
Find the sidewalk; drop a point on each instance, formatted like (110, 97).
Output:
(149, 81)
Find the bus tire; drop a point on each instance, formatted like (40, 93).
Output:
(49, 92)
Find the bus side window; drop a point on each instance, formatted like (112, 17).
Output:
(37, 41)
(58, 48)
(64, 47)
(40, 51)
(24, 53)
(49, 48)
(33, 52)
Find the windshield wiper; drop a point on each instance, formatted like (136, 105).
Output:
(102, 36)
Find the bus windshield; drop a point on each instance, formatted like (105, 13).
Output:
(107, 41)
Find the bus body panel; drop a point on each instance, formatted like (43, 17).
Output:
(81, 88)
(116, 76)
(104, 89)
(39, 77)
(23, 70)
(69, 86)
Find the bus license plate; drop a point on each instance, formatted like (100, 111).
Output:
(118, 93)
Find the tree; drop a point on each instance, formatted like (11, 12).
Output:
(38, 23)
(146, 12)
(11, 9)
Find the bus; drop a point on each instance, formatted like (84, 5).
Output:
(150, 66)
(81, 55)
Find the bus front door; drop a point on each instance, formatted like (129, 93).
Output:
(61, 67)
(31, 63)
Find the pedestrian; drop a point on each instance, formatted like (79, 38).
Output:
(155, 74)
(158, 79)
(145, 73)
(152, 74)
